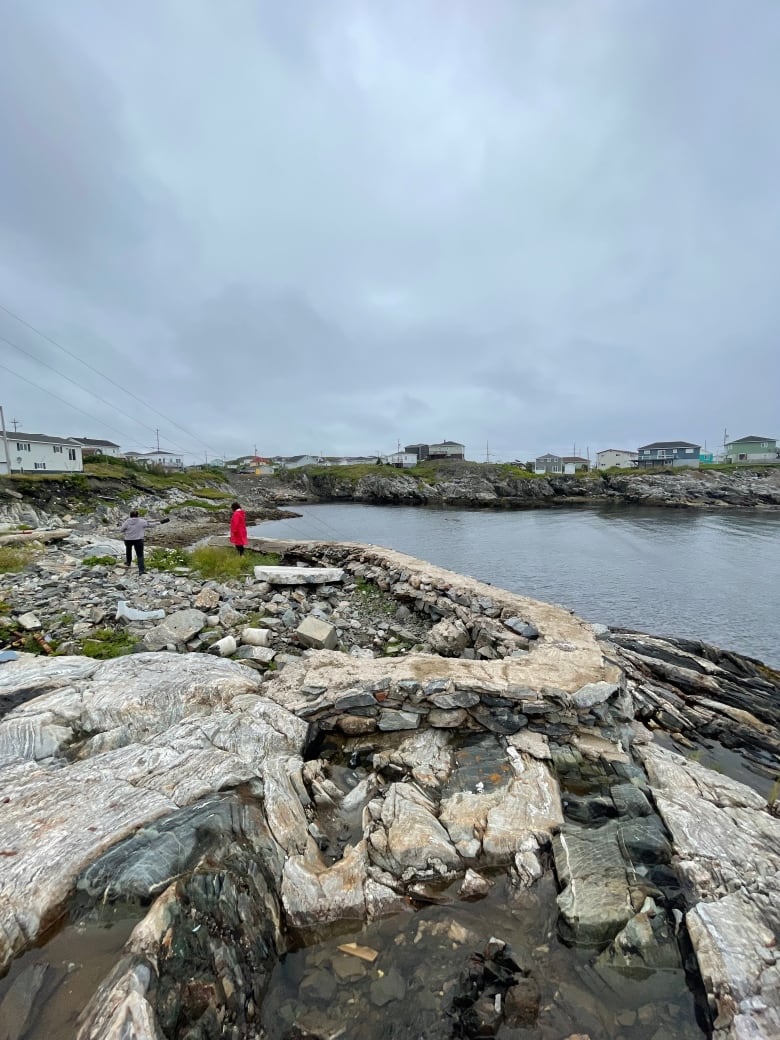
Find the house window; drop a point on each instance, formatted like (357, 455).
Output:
(72, 454)
(689, 451)
(40, 465)
(57, 449)
(22, 446)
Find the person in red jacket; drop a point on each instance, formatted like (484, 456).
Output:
(238, 528)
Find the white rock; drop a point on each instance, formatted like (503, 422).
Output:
(299, 575)
(29, 622)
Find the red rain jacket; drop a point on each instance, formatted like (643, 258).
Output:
(238, 527)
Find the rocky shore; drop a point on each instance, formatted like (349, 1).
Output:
(499, 487)
(353, 794)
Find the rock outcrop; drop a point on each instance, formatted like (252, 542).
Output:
(241, 813)
(485, 486)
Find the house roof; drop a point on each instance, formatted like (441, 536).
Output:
(618, 451)
(668, 444)
(453, 444)
(41, 438)
(549, 455)
(573, 458)
(94, 440)
(751, 440)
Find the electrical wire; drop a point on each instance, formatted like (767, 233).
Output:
(86, 364)
(85, 389)
(61, 399)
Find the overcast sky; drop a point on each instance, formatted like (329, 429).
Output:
(332, 226)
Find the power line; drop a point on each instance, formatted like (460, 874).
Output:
(92, 368)
(62, 399)
(84, 389)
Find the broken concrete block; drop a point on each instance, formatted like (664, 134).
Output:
(224, 647)
(317, 634)
(299, 575)
(261, 654)
(29, 622)
(133, 614)
(256, 637)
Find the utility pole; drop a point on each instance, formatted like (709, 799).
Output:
(5, 440)
(16, 423)
(157, 431)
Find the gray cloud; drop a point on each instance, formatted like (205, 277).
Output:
(334, 227)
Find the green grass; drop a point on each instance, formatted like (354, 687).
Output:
(100, 561)
(210, 492)
(211, 561)
(13, 558)
(193, 503)
(106, 643)
(216, 561)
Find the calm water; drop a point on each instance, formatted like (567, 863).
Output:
(713, 576)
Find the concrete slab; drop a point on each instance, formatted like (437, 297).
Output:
(299, 575)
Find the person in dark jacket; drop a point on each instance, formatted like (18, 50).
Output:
(133, 531)
(238, 535)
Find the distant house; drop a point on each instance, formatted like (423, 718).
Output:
(92, 446)
(298, 461)
(575, 464)
(166, 459)
(452, 450)
(752, 449)
(401, 459)
(668, 453)
(419, 450)
(549, 463)
(615, 457)
(37, 452)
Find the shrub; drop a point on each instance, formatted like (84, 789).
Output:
(100, 561)
(13, 558)
(106, 643)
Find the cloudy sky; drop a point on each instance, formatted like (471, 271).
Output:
(328, 227)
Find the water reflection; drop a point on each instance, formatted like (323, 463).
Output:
(713, 576)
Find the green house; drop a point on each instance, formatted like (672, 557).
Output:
(752, 449)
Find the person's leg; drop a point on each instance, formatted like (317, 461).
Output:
(240, 550)
(128, 553)
(139, 554)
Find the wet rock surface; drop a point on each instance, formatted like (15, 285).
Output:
(342, 844)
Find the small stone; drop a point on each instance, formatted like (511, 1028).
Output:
(594, 693)
(29, 622)
(474, 886)
(207, 599)
(522, 628)
(521, 1004)
(388, 988)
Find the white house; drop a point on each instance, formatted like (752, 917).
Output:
(92, 446)
(401, 459)
(575, 464)
(447, 450)
(298, 461)
(615, 457)
(166, 459)
(38, 453)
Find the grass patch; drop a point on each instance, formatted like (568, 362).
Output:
(193, 503)
(213, 493)
(216, 561)
(211, 561)
(167, 559)
(13, 559)
(100, 561)
(106, 643)
(378, 602)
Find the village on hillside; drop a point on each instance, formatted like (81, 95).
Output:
(23, 452)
